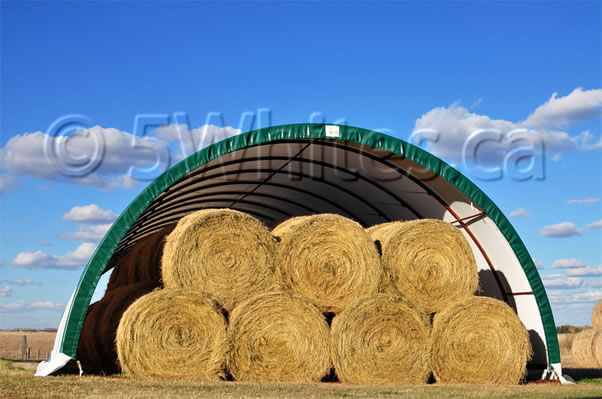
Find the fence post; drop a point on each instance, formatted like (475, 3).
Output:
(24, 347)
(28, 353)
(38, 355)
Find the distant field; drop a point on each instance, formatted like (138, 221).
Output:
(10, 344)
(20, 383)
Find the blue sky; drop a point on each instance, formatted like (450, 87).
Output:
(395, 66)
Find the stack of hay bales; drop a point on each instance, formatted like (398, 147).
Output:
(473, 339)
(586, 347)
(317, 296)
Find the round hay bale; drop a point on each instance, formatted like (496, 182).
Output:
(429, 262)
(381, 339)
(286, 226)
(479, 340)
(96, 347)
(173, 333)
(328, 259)
(565, 341)
(381, 232)
(278, 337)
(587, 348)
(225, 253)
(597, 315)
(141, 262)
(597, 347)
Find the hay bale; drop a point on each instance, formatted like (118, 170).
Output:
(142, 262)
(278, 337)
(479, 340)
(597, 315)
(289, 224)
(564, 344)
(428, 262)
(587, 348)
(381, 232)
(225, 253)
(96, 347)
(173, 333)
(381, 339)
(597, 347)
(328, 259)
(565, 341)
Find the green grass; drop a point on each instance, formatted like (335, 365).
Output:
(20, 383)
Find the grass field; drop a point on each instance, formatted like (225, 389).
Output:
(20, 383)
(10, 344)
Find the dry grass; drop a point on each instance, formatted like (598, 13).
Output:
(18, 383)
(10, 343)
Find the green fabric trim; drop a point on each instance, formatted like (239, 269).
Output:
(94, 269)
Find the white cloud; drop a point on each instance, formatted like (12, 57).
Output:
(595, 225)
(87, 233)
(563, 297)
(564, 229)
(538, 263)
(8, 183)
(6, 291)
(24, 154)
(566, 263)
(455, 124)
(587, 271)
(560, 281)
(47, 305)
(518, 213)
(560, 112)
(9, 307)
(19, 282)
(585, 201)
(89, 214)
(43, 260)
(25, 306)
(594, 284)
